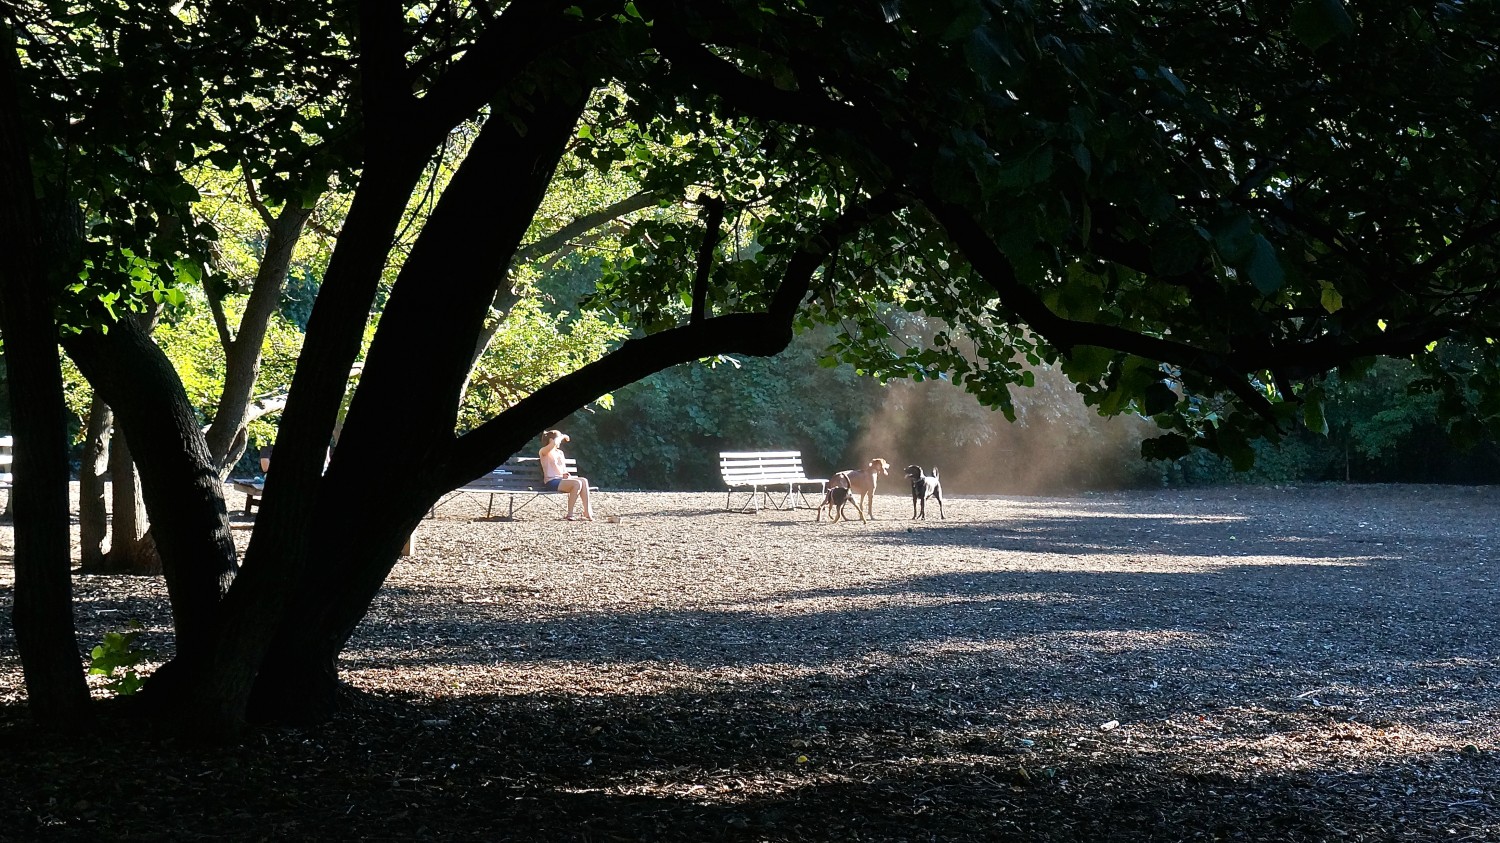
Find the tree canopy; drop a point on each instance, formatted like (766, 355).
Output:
(1196, 210)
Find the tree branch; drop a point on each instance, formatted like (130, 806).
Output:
(1458, 245)
(385, 92)
(260, 207)
(587, 222)
(759, 334)
(713, 218)
(696, 66)
(1066, 334)
(221, 322)
(525, 31)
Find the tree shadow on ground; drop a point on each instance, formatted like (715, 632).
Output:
(743, 764)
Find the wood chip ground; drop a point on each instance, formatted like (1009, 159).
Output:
(1269, 664)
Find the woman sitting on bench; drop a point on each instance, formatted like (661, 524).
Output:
(555, 473)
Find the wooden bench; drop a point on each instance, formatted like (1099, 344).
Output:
(253, 490)
(517, 476)
(764, 471)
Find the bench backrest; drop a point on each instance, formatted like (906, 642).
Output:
(7, 456)
(517, 474)
(740, 467)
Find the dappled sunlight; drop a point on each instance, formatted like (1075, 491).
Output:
(893, 598)
(1050, 514)
(734, 664)
(1095, 642)
(615, 679)
(1106, 560)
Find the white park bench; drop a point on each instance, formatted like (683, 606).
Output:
(7, 456)
(764, 472)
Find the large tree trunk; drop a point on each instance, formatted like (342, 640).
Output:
(93, 518)
(219, 696)
(226, 436)
(178, 481)
(346, 570)
(419, 359)
(132, 550)
(38, 255)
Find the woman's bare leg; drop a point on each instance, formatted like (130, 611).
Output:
(588, 511)
(572, 485)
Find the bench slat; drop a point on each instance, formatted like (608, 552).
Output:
(761, 470)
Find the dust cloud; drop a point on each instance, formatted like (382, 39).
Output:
(1056, 443)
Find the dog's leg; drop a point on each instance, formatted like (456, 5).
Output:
(937, 492)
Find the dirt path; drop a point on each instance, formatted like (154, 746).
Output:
(1270, 664)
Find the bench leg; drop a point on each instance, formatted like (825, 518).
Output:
(782, 504)
(750, 502)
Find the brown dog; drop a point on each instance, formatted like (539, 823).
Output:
(862, 484)
(835, 496)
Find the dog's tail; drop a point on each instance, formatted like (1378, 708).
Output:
(934, 471)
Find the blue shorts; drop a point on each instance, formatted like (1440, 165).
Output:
(551, 485)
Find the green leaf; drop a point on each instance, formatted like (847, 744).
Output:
(1312, 411)
(1087, 363)
(187, 271)
(1177, 251)
(1331, 299)
(185, 193)
(1159, 398)
(1316, 22)
(1172, 79)
(1264, 268)
(988, 55)
(1169, 447)
(1233, 237)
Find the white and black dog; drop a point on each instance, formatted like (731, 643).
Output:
(924, 486)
